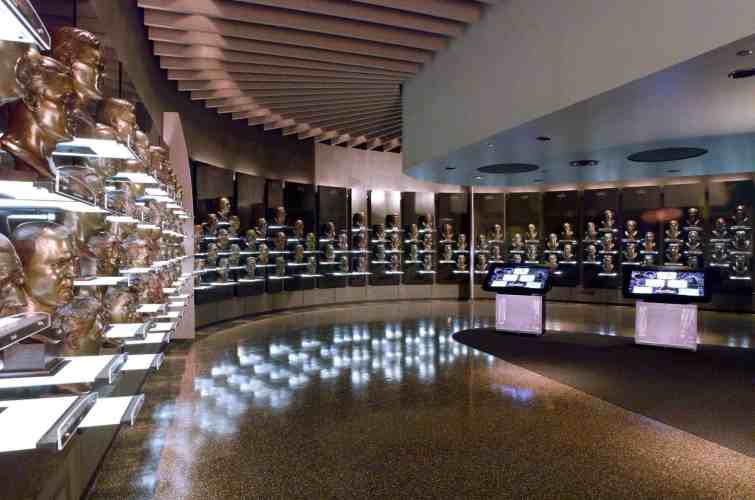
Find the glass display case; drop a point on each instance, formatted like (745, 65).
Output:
(601, 256)
(418, 214)
(386, 239)
(452, 224)
(561, 228)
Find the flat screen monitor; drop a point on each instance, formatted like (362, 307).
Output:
(664, 284)
(518, 279)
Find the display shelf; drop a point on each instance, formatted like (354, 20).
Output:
(82, 147)
(78, 370)
(151, 338)
(27, 195)
(113, 411)
(151, 308)
(100, 281)
(143, 362)
(126, 330)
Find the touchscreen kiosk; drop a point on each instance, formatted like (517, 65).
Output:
(520, 292)
(666, 307)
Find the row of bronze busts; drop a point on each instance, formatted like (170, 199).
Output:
(38, 266)
(59, 98)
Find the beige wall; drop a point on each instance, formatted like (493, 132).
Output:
(528, 58)
(357, 168)
(211, 138)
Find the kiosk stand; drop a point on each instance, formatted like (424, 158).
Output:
(666, 307)
(520, 296)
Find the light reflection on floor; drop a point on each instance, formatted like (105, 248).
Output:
(254, 404)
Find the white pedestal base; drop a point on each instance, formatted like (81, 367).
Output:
(520, 313)
(667, 325)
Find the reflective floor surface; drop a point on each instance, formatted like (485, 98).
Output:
(378, 401)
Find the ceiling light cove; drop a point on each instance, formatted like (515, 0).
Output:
(666, 154)
(583, 163)
(508, 168)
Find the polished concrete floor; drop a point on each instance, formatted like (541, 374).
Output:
(378, 401)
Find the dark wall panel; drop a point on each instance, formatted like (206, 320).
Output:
(560, 207)
(490, 209)
(211, 183)
(250, 190)
(453, 208)
(523, 209)
(333, 206)
(300, 203)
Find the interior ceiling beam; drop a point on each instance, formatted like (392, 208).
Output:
(261, 120)
(292, 20)
(357, 141)
(286, 122)
(292, 92)
(357, 121)
(373, 144)
(293, 79)
(299, 128)
(253, 113)
(462, 11)
(312, 133)
(335, 113)
(338, 109)
(276, 72)
(174, 56)
(376, 131)
(335, 104)
(361, 62)
(240, 29)
(325, 136)
(266, 85)
(235, 93)
(340, 139)
(367, 13)
(391, 144)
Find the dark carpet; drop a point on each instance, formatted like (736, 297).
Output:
(709, 393)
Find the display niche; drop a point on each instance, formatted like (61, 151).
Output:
(523, 214)
(334, 241)
(490, 244)
(452, 219)
(418, 214)
(684, 226)
(386, 239)
(601, 239)
(299, 204)
(561, 236)
(729, 251)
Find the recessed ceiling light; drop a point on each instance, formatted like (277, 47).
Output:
(673, 171)
(491, 145)
(742, 73)
(450, 167)
(479, 177)
(745, 53)
(666, 154)
(583, 163)
(543, 138)
(508, 168)
(538, 180)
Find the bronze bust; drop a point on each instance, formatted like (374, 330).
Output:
(119, 114)
(79, 325)
(120, 304)
(39, 121)
(224, 209)
(80, 51)
(280, 216)
(47, 254)
(12, 294)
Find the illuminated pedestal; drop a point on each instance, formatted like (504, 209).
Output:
(667, 325)
(520, 313)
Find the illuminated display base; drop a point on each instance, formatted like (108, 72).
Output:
(520, 313)
(666, 325)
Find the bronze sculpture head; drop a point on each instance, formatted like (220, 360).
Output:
(39, 121)
(119, 114)
(47, 253)
(12, 294)
(120, 304)
(80, 326)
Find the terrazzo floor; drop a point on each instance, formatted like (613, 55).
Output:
(378, 401)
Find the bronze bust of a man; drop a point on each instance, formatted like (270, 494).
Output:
(12, 294)
(47, 254)
(39, 121)
(119, 114)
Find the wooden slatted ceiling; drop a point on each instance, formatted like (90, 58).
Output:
(326, 70)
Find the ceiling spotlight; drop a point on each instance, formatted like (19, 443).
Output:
(666, 154)
(742, 73)
(479, 177)
(745, 53)
(543, 138)
(583, 163)
(673, 171)
(450, 167)
(491, 145)
(538, 180)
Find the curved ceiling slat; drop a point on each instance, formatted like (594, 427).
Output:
(322, 70)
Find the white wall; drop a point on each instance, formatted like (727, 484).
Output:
(356, 168)
(528, 58)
